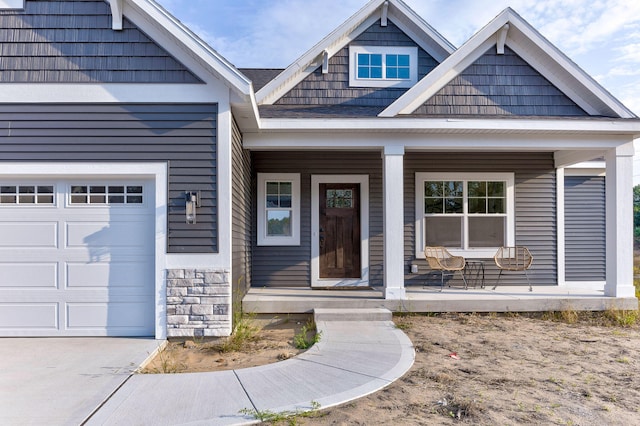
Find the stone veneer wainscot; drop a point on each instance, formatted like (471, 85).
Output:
(198, 303)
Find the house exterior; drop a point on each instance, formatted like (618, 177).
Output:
(146, 183)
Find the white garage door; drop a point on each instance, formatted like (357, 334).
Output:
(76, 257)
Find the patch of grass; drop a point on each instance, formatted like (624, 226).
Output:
(244, 332)
(167, 364)
(459, 409)
(307, 337)
(567, 316)
(622, 318)
(288, 417)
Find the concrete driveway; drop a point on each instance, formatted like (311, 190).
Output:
(62, 381)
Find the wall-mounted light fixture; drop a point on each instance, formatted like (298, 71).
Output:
(192, 199)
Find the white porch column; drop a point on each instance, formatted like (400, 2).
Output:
(619, 199)
(393, 182)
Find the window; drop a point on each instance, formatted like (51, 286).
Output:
(278, 209)
(383, 66)
(103, 194)
(471, 214)
(27, 194)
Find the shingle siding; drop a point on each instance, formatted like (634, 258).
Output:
(585, 235)
(184, 135)
(333, 88)
(500, 85)
(535, 214)
(72, 42)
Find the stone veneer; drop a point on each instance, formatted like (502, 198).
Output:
(198, 303)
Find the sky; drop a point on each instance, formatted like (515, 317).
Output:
(601, 36)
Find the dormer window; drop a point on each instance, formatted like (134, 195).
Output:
(383, 66)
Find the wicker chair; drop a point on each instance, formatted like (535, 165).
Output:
(513, 259)
(441, 260)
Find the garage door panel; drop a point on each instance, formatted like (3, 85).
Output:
(101, 237)
(28, 316)
(28, 275)
(116, 315)
(31, 234)
(113, 274)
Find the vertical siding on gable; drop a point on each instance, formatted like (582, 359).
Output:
(585, 235)
(183, 135)
(535, 214)
(69, 41)
(500, 85)
(333, 88)
(242, 218)
(291, 266)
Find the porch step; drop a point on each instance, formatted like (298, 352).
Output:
(369, 314)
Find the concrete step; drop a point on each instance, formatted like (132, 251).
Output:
(368, 314)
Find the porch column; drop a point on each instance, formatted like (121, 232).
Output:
(393, 158)
(619, 217)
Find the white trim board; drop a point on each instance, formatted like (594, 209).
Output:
(316, 180)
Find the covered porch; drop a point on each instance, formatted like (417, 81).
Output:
(535, 153)
(292, 300)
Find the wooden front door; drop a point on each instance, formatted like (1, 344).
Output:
(339, 230)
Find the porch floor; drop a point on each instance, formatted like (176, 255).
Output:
(282, 300)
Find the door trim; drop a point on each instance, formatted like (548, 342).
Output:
(363, 281)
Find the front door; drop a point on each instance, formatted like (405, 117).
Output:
(339, 226)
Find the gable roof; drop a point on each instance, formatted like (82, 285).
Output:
(508, 28)
(242, 93)
(35, 50)
(405, 18)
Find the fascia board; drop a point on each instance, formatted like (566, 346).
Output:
(246, 114)
(337, 39)
(418, 125)
(219, 66)
(447, 70)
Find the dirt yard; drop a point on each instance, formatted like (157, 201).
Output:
(271, 342)
(474, 369)
(495, 370)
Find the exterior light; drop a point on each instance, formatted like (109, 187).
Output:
(192, 201)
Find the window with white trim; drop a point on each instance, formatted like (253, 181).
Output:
(278, 209)
(472, 214)
(383, 66)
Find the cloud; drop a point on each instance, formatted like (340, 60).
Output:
(277, 32)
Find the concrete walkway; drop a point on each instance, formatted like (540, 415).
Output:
(61, 381)
(360, 352)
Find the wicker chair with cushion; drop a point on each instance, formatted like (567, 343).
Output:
(513, 259)
(441, 260)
